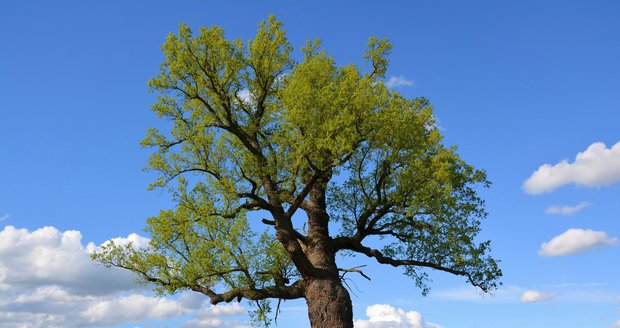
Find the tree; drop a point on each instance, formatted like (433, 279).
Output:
(306, 147)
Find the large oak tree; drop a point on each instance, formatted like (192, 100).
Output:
(300, 147)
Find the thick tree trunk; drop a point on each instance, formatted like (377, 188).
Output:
(329, 304)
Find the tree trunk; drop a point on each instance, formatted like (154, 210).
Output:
(329, 304)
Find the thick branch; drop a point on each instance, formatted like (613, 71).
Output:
(298, 201)
(294, 291)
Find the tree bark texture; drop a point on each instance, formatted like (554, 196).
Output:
(329, 304)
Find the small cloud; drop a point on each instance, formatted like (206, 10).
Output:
(134, 239)
(567, 210)
(4, 217)
(218, 316)
(615, 324)
(597, 166)
(532, 296)
(245, 95)
(387, 316)
(398, 81)
(575, 241)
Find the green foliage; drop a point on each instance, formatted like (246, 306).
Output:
(252, 130)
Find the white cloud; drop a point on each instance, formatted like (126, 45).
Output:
(47, 279)
(615, 324)
(51, 294)
(214, 316)
(47, 256)
(575, 241)
(135, 307)
(54, 307)
(4, 217)
(134, 239)
(398, 81)
(31, 320)
(531, 296)
(567, 210)
(387, 316)
(245, 95)
(595, 167)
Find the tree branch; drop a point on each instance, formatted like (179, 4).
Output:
(294, 291)
(298, 234)
(355, 270)
(347, 243)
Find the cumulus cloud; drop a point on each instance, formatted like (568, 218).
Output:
(48, 280)
(532, 296)
(214, 316)
(47, 256)
(615, 324)
(135, 307)
(387, 316)
(595, 167)
(567, 210)
(398, 81)
(575, 241)
(134, 239)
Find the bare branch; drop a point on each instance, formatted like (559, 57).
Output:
(355, 270)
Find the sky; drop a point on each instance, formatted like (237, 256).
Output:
(528, 90)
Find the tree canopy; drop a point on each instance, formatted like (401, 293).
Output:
(300, 147)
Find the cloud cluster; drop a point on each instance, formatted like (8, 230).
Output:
(575, 241)
(214, 317)
(596, 166)
(49, 257)
(48, 280)
(532, 296)
(131, 308)
(567, 210)
(398, 81)
(387, 316)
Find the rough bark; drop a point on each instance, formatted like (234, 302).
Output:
(329, 303)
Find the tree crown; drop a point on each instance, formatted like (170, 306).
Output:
(255, 131)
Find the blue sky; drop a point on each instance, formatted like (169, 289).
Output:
(516, 85)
